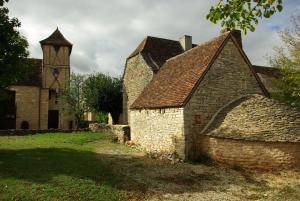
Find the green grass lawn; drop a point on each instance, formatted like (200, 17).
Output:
(89, 166)
(56, 167)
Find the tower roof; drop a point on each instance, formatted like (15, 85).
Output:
(56, 38)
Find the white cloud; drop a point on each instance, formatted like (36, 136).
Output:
(105, 32)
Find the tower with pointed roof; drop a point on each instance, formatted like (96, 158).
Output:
(56, 75)
(34, 101)
(56, 61)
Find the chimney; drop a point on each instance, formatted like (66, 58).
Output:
(186, 42)
(237, 34)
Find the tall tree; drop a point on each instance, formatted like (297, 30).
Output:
(72, 95)
(103, 93)
(13, 50)
(287, 58)
(243, 13)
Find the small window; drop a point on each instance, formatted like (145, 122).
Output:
(51, 94)
(198, 119)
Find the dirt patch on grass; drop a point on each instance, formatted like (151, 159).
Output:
(149, 179)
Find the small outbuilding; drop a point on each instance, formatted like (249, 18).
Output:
(254, 131)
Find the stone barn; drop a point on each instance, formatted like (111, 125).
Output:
(34, 102)
(254, 131)
(173, 89)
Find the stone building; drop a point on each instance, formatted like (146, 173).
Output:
(254, 131)
(34, 102)
(172, 89)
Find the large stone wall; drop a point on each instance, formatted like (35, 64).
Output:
(159, 130)
(251, 154)
(228, 78)
(44, 101)
(269, 82)
(27, 104)
(136, 77)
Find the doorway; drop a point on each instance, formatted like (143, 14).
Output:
(53, 117)
(8, 110)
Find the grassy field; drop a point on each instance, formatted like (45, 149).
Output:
(89, 166)
(55, 167)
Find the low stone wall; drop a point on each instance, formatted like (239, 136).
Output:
(251, 154)
(21, 132)
(159, 131)
(122, 132)
(98, 127)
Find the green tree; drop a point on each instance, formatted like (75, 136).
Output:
(103, 93)
(13, 50)
(72, 95)
(287, 58)
(243, 13)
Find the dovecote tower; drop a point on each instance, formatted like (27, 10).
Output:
(56, 61)
(55, 76)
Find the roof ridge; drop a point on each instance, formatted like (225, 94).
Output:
(56, 37)
(162, 38)
(199, 45)
(149, 99)
(34, 59)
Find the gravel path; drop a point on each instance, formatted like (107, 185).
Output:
(156, 180)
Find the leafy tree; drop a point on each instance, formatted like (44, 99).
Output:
(13, 50)
(288, 59)
(243, 13)
(104, 94)
(72, 95)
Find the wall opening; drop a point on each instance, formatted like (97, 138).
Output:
(8, 110)
(53, 118)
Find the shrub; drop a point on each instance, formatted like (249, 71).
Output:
(102, 117)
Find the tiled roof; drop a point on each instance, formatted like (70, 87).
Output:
(35, 75)
(184, 70)
(268, 71)
(56, 38)
(159, 49)
(256, 118)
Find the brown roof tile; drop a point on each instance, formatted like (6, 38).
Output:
(160, 49)
(56, 38)
(183, 70)
(34, 77)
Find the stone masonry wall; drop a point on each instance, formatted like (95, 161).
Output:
(269, 83)
(228, 78)
(27, 104)
(136, 77)
(252, 154)
(159, 130)
(256, 118)
(44, 109)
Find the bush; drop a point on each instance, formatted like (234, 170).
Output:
(102, 117)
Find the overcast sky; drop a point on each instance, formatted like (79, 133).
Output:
(105, 32)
